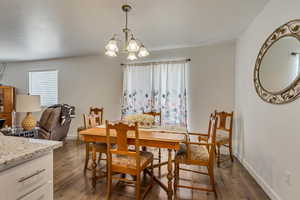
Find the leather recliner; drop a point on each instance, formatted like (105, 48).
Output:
(50, 126)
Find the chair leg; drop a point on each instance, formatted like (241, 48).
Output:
(144, 173)
(176, 180)
(212, 179)
(219, 155)
(152, 173)
(138, 187)
(230, 151)
(150, 185)
(159, 161)
(109, 182)
(87, 157)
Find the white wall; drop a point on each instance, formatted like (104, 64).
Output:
(97, 81)
(267, 136)
(83, 81)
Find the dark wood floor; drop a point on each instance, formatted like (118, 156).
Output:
(233, 181)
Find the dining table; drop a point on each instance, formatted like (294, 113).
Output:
(157, 137)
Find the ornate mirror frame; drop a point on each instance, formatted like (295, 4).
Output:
(290, 93)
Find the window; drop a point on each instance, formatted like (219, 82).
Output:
(159, 87)
(44, 83)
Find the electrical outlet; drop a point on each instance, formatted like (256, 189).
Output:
(288, 178)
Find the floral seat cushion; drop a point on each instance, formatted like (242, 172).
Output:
(222, 137)
(197, 152)
(130, 162)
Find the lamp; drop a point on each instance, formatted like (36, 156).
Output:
(29, 104)
(131, 56)
(112, 45)
(143, 52)
(132, 46)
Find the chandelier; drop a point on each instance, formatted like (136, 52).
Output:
(132, 46)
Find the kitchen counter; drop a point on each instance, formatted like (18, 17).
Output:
(17, 150)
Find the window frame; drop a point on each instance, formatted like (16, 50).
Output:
(43, 70)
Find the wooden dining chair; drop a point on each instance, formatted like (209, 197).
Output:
(98, 114)
(198, 153)
(123, 161)
(156, 115)
(224, 134)
(90, 122)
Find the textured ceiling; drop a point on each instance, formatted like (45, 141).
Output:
(43, 29)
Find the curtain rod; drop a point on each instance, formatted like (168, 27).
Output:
(157, 62)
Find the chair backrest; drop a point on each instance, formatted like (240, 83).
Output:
(123, 130)
(50, 118)
(89, 121)
(212, 128)
(225, 122)
(213, 120)
(209, 124)
(155, 115)
(98, 113)
(213, 125)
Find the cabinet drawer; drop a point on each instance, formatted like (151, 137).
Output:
(42, 193)
(27, 177)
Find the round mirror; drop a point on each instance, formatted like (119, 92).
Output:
(280, 66)
(277, 68)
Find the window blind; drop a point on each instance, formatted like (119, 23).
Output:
(44, 83)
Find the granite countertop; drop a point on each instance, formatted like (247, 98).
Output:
(17, 150)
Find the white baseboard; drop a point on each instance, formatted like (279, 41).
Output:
(270, 192)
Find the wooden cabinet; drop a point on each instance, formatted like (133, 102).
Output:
(7, 103)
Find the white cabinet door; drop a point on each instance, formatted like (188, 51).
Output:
(25, 178)
(42, 193)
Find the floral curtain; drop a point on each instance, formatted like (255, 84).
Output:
(160, 87)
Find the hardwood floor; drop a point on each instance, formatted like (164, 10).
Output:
(233, 181)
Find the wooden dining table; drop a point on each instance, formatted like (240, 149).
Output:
(157, 137)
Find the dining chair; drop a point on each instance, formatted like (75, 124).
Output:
(98, 114)
(123, 161)
(224, 134)
(90, 122)
(198, 153)
(156, 115)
